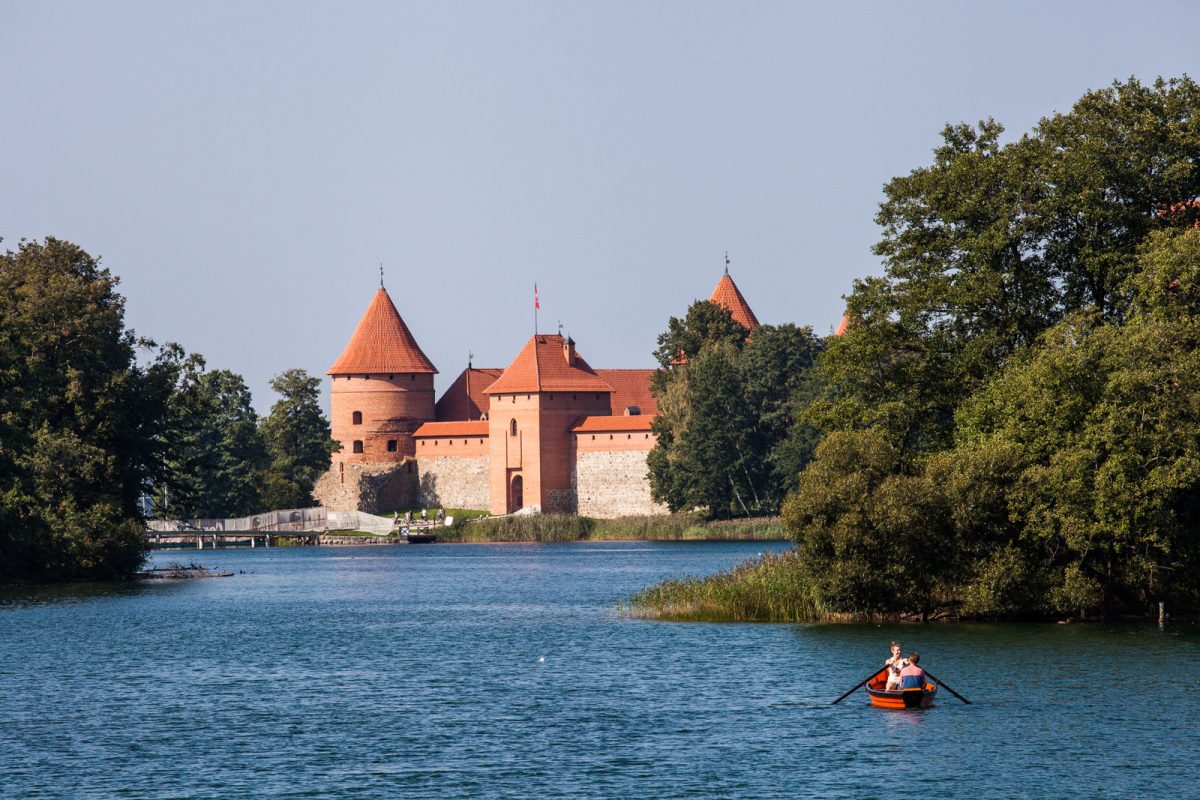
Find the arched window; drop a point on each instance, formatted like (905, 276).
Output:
(512, 427)
(358, 445)
(357, 418)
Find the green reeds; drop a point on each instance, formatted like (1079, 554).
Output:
(571, 528)
(770, 588)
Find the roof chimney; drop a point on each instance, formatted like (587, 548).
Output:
(569, 351)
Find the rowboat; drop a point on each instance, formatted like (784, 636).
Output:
(903, 698)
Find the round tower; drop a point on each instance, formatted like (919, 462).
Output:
(382, 388)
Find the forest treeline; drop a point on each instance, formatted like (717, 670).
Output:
(93, 418)
(1010, 425)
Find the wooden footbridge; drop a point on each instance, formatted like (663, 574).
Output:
(301, 526)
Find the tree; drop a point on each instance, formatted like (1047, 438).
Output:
(80, 419)
(215, 452)
(727, 437)
(1024, 360)
(298, 440)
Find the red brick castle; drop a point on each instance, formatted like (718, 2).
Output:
(547, 431)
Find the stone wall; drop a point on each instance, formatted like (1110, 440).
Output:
(453, 482)
(373, 488)
(613, 483)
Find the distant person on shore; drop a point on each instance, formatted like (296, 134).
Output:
(441, 514)
(424, 515)
(894, 665)
(408, 517)
(912, 676)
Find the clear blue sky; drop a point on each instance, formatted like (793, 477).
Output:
(244, 167)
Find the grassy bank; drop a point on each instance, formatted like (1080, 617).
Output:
(570, 528)
(766, 589)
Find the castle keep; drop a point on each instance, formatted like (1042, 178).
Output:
(547, 431)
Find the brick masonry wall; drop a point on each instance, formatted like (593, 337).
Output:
(373, 488)
(392, 407)
(453, 481)
(613, 483)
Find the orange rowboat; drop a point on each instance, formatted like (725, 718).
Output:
(905, 698)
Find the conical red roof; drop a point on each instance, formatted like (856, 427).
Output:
(726, 294)
(381, 343)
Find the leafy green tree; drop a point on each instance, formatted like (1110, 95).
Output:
(215, 452)
(1021, 360)
(727, 436)
(80, 419)
(298, 441)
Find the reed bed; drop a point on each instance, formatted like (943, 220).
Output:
(571, 528)
(770, 588)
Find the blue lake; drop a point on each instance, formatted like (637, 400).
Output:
(455, 671)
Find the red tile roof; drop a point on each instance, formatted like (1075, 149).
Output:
(843, 325)
(542, 367)
(381, 343)
(615, 423)
(631, 387)
(465, 399)
(475, 429)
(727, 294)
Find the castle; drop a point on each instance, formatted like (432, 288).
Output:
(548, 431)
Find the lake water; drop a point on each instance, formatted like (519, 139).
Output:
(455, 671)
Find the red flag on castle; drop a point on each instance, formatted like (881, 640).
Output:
(536, 305)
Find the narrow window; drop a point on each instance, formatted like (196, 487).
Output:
(358, 445)
(391, 445)
(512, 427)
(357, 418)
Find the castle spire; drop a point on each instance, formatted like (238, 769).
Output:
(381, 343)
(728, 295)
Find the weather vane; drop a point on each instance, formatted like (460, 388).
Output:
(726, 262)
(380, 274)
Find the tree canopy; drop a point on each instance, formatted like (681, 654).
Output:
(1009, 427)
(80, 418)
(727, 439)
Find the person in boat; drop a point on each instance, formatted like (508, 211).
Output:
(894, 664)
(912, 676)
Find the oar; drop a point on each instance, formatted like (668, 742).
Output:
(940, 683)
(856, 688)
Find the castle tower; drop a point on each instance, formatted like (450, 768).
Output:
(382, 389)
(532, 408)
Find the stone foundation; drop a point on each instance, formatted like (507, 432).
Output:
(373, 488)
(453, 482)
(613, 483)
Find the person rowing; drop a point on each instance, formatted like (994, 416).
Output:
(912, 676)
(894, 666)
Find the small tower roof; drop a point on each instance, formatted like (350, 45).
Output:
(542, 367)
(727, 295)
(381, 343)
